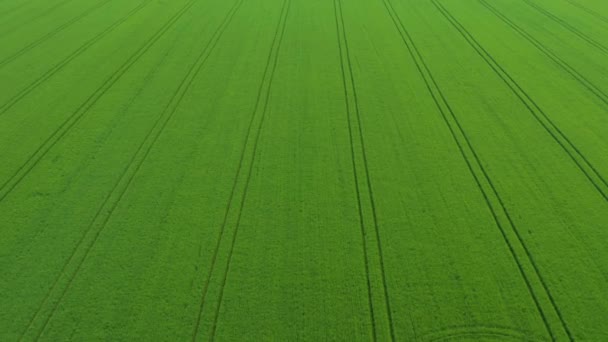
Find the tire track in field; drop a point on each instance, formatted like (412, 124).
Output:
(59, 66)
(526, 265)
(589, 11)
(105, 211)
(477, 331)
(30, 20)
(259, 114)
(52, 33)
(83, 109)
(357, 139)
(602, 96)
(590, 172)
(128, 105)
(355, 177)
(567, 26)
(14, 9)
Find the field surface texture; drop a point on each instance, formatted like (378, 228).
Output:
(304, 170)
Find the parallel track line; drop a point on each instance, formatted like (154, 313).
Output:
(9, 185)
(355, 177)
(59, 66)
(567, 26)
(163, 29)
(590, 172)
(14, 9)
(352, 85)
(602, 96)
(589, 11)
(465, 146)
(260, 106)
(34, 18)
(114, 197)
(52, 33)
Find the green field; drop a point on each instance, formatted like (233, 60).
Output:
(304, 170)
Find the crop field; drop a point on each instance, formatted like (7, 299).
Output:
(304, 170)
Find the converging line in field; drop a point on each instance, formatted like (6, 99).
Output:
(591, 173)
(59, 66)
(478, 331)
(588, 10)
(567, 26)
(541, 47)
(117, 193)
(30, 20)
(365, 199)
(52, 33)
(11, 183)
(16, 8)
(64, 280)
(494, 202)
(234, 203)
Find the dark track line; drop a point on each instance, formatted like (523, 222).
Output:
(235, 183)
(59, 66)
(30, 20)
(440, 99)
(476, 46)
(589, 11)
(476, 335)
(346, 52)
(602, 96)
(269, 71)
(80, 241)
(16, 8)
(532, 107)
(80, 112)
(250, 172)
(355, 177)
(498, 333)
(52, 33)
(159, 33)
(107, 208)
(567, 26)
(449, 332)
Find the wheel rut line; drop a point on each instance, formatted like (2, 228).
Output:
(441, 102)
(345, 56)
(567, 26)
(473, 330)
(145, 146)
(52, 33)
(59, 66)
(357, 191)
(150, 140)
(531, 105)
(261, 106)
(9, 185)
(99, 211)
(16, 8)
(355, 177)
(41, 15)
(588, 10)
(602, 96)
(249, 173)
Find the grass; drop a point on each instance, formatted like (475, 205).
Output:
(304, 170)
